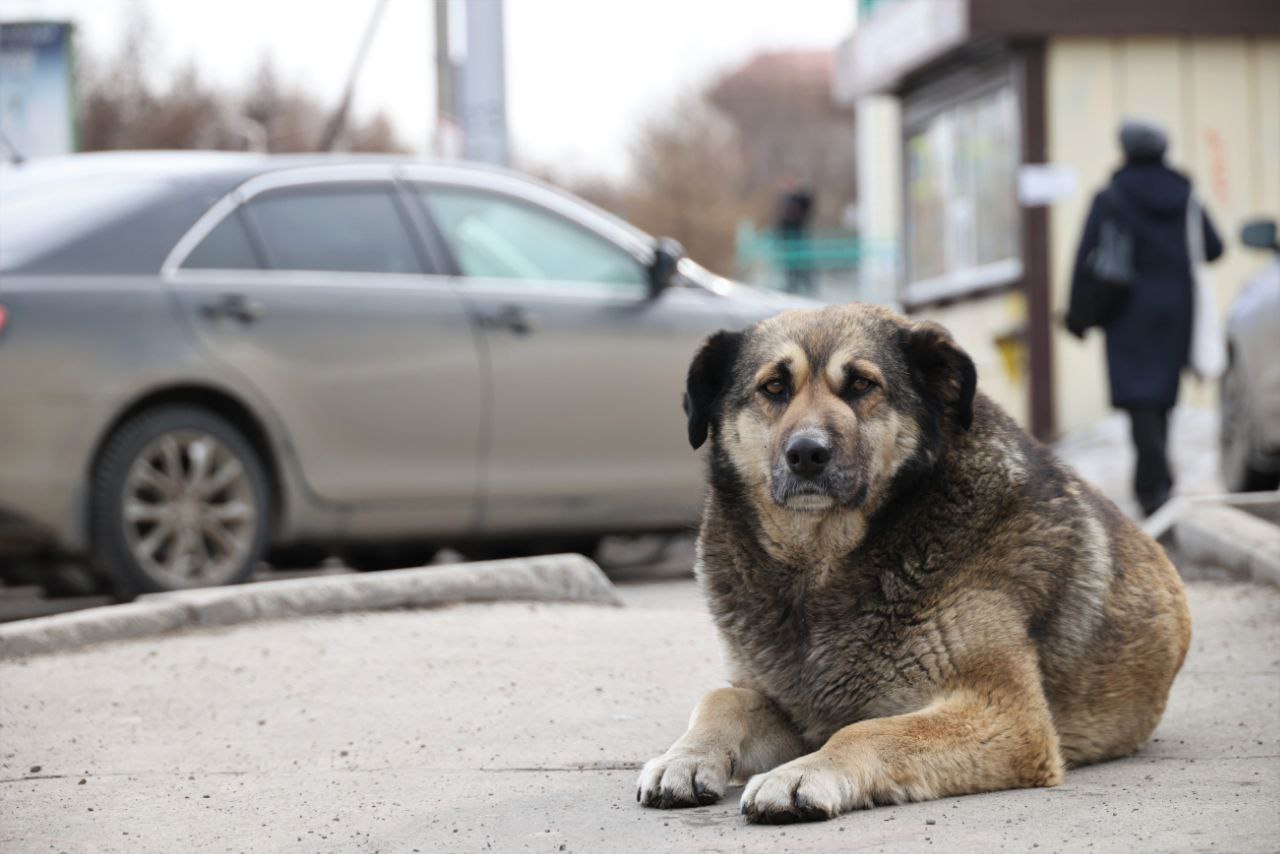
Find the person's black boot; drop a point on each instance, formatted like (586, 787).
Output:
(1153, 501)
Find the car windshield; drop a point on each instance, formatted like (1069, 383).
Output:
(39, 213)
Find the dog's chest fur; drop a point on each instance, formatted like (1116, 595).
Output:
(827, 660)
(875, 633)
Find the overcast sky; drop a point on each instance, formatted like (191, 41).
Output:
(580, 73)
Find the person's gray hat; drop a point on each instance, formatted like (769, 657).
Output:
(1142, 140)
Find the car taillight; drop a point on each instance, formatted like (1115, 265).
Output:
(4, 317)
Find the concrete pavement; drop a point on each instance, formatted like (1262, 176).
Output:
(517, 727)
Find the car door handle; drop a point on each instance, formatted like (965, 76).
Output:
(235, 306)
(512, 318)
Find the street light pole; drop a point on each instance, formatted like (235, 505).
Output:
(445, 110)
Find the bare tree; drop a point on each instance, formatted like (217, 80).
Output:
(188, 114)
(686, 166)
(290, 119)
(715, 161)
(115, 95)
(787, 122)
(121, 109)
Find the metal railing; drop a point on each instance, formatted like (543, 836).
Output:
(818, 250)
(819, 263)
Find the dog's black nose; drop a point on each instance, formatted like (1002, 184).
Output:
(807, 456)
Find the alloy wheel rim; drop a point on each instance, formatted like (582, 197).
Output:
(189, 510)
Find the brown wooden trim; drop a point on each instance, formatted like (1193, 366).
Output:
(1043, 18)
(986, 21)
(1035, 242)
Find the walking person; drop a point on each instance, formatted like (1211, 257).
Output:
(1135, 277)
(794, 206)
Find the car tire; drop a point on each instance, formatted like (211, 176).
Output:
(179, 499)
(1238, 453)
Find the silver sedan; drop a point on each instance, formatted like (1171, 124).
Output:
(206, 359)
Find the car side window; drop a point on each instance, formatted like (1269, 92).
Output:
(493, 236)
(227, 247)
(342, 228)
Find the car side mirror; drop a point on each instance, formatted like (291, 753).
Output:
(1260, 234)
(666, 257)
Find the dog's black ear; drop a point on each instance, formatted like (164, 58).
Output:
(944, 370)
(708, 377)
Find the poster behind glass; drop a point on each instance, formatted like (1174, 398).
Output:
(960, 183)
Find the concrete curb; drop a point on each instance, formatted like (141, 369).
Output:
(1219, 535)
(1222, 536)
(553, 578)
(1264, 505)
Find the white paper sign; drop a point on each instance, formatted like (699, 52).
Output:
(1045, 183)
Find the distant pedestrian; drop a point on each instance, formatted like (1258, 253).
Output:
(791, 223)
(1135, 276)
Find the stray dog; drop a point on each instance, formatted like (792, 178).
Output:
(915, 599)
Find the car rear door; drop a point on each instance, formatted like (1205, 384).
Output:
(313, 285)
(587, 370)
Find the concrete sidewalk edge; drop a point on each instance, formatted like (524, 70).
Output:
(1264, 505)
(1245, 545)
(551, 578)
(1237, 533)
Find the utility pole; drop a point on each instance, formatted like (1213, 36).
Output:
(338, 120)
(445, 110)
(446, 143)
(483, 94)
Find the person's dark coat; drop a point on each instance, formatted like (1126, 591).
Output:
(794, 208)
(1149, 339)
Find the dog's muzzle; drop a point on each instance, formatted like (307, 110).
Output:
(807, 477)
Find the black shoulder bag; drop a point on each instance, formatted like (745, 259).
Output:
(1107, 277)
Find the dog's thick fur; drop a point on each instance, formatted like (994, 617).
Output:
(947, 610)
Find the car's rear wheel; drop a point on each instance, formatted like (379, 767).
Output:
(180, 499)
(1237, 448)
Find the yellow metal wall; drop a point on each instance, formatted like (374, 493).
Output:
(1220, 100)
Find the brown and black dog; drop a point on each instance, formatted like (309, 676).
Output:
(915, 599)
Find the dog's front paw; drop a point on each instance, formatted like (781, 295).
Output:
(685, 778)
(811, 788)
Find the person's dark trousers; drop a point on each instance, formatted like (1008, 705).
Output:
(798, 278)
(799, 281)
(1152, 479)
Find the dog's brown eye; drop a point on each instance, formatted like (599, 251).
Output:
(861, 384)
(775, 388)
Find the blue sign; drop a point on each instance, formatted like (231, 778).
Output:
(37, 107)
